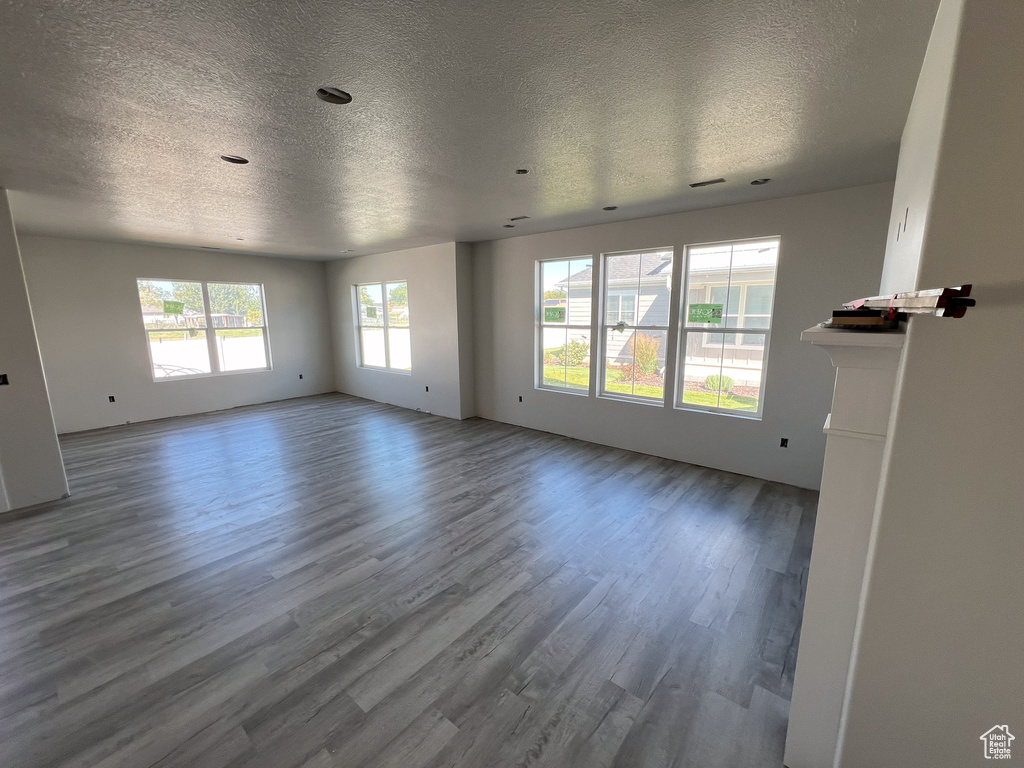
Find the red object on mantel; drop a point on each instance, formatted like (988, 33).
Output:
(944, 302)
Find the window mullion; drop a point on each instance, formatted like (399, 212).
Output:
(263, 327)
(211, 333)
(682, 335)
(387, 342)
(601, 384)
(596, 324)
(636, 319)
(538, 324)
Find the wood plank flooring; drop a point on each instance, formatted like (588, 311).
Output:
(334, 583)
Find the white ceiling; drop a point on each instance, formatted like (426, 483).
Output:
(113, 115)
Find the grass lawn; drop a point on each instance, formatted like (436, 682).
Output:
(578, 377)
(237, 333)
(735, 402)
(183, 334)
(574, 377)
(613, 382)
(180, 335)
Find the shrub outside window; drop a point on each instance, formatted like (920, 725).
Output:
(726, 326)
(564, 325)
(384, 336)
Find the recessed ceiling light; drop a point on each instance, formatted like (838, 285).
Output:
(707, 183)
(522, 171)
(333, 95)
(236, 159)
(509, 226)
(759, 182)
(518, 218)
(610, 208)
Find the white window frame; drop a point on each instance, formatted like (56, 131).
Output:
(603, 328)
(684, 331)
(211, 336)
(540, 324)
(356, 303)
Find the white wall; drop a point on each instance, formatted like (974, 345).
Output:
(31, 469)
(832, 248)
(93, 344)
(434, 321)
(940, 656)
(464, 291)
(915, 178)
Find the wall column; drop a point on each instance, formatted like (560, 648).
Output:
(866, 367)
(30, 461)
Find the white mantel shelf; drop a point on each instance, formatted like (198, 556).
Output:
(867, 363)
(841, 338)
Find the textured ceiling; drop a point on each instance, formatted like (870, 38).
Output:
(113, 115)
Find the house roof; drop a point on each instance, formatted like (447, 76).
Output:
(624, 269)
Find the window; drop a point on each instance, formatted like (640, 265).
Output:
(236, 312)
(637, 300)
(565, 303)
(179, 316)
(732, 286)
(383, 320)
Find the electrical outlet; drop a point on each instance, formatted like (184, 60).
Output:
(110, 398)
(784, 443)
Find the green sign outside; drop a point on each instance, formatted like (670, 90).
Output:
(706, 313)
(174, 307)
(554, 314)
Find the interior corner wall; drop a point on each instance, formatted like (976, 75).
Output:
(466, 318)
(31, 467)
(922, 139)
(832, 249)
(431, 272)
(93, 344)
(940, 647)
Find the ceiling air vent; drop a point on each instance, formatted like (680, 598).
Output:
(707, 183)
(333, 95)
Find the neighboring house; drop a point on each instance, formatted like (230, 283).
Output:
(639, 294)
(634, 297)
(746, 294)
(154, 316)
(373, 313)
(225, 320)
